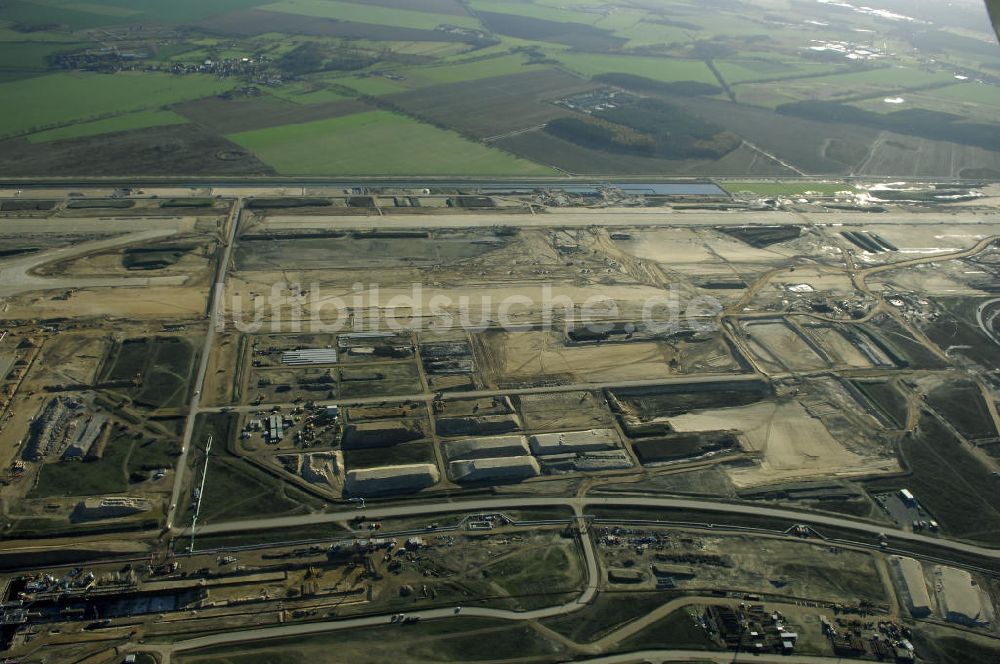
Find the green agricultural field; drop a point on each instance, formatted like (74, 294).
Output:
(369, 13)
(971, 93)
(660, 69)
(892, 78)
(175, 10)
(377, 143)
(976, 102)
(874, 84)
(306, 93)
(24, 12)
(768, 95)
(765, 65)
(80, 15)
(467, 71)
(316, 97)
(555, 12)
(9, 34)
(373, 85)
(504, 47)
(57, 99)
(639, 31)
(759, 69)
(31, 55)
(140, 120)
(441, 49)
(104, 9)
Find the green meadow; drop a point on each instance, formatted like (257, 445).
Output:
(378, 143)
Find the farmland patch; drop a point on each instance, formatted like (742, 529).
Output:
(494, 105)
(377, 143)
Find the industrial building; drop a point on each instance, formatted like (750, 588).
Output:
(391, 479)
(47, 431)
(275, 428)
(912, 586)
(960, 598)
(487, 447)
(110, 507)
(591, 440)
(309, 356)
(86, 437)
(497, 469)
(328, 414)
(347, 340)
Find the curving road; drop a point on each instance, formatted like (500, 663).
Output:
(593, 571)
(16, 273)
(166, 651)
(977, 248)
(984, 325)
(579, 505)
(593, 575)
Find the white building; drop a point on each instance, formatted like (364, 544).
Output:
(962, 601)
(912, 585)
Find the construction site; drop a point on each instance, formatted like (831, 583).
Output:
(288, 408)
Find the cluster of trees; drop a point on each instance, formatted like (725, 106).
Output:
(649, 128)
(313, 56)
(660, 119)
(34, 27)
(601, 135)
(536, 56)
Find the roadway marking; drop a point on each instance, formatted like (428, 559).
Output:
(216, 312)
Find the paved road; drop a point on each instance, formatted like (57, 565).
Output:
(237, 182)
(584, 650)
(216, 312)
(582, 504)
(593, 572)
(593, 575)
(479, 394)
(987, 327)
(977, 248)
(16, 273)
(630, 217)
(654, 656)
